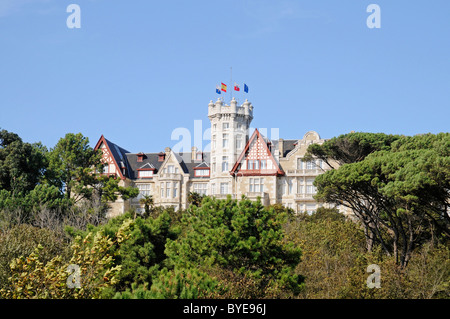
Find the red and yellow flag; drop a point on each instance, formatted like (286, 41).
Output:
(224, 87)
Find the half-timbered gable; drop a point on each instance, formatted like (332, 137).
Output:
(256, 158)
(114, 158)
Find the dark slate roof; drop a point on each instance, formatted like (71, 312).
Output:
(288, 145)
(149, 158)
(119, 155)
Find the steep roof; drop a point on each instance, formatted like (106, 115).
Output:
(257, 136)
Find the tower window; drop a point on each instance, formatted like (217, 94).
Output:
(225, 126)
(225, 140)
(224, 163)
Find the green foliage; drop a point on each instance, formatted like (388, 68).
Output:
(195, 199)
(22, 240)
(350, 148)
(21, 164)
(401, 195)
(141, 255)
(147, 201)
(242, 237)
(334, 262)
(72, 166)
(34, 279)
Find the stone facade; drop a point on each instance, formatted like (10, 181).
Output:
(238, 164)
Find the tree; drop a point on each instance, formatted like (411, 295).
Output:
(34, 279)
(242, 238)
(349, 148)
(195, 198)
(147, 201)
(72, 166)
(22, 165)
(400, 194)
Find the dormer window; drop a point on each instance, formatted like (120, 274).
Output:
(201, 172)
(145, 173)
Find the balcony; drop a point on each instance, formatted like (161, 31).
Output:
(223, 196)
(305, 172)
(304, 197)
(170, 177)
(254, 196)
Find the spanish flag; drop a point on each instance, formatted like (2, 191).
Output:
(224, 87)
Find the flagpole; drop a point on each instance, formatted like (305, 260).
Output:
(231, 83)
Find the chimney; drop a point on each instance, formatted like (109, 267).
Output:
(140, 157)
(193, 153)
(161, 156)
(281, 147)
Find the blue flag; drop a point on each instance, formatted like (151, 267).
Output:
(218, 90)
(245, 88)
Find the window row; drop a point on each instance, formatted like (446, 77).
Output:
(304, 186)
(314, 164)
(226, 126)
(225, 141)
(169, 189)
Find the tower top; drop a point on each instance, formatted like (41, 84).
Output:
(219, 109)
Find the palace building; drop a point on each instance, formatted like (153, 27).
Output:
(237, 164)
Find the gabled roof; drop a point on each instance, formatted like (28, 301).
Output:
(118, 154)
(147, 165)
(256, 135)
(202, 165)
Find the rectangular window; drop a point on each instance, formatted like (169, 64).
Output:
(310, 189)
(144, 189)
(170, 169)
(252, 164)
(256, 185)
(289, 182)
(224, 163)
(201, 188)
(238, 142)
(223, 188)
(226, 126)
(145, 174)
(201, 172)
(175, 190)
(162, 190)
(168, 185)
(225, 140)
(214, 142)
(310, 165)
(299, 163)
(213, 188)
(263, 164)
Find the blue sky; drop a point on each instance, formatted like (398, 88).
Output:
(137, 70)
